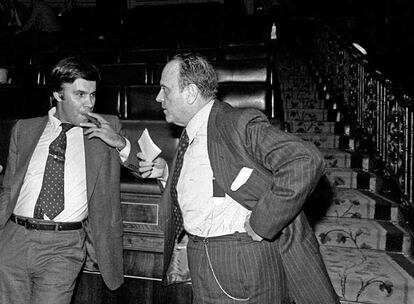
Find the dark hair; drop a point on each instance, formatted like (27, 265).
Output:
(196, 69)
(69, 69)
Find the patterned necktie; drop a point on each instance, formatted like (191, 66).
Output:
(178, 217)
(51, 200)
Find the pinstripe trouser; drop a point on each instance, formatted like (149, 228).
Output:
(235, 269)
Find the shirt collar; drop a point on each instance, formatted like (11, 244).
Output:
(53, 121)
(198, 120)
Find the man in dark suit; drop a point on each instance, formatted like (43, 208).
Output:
(239, 186)
(61, 182)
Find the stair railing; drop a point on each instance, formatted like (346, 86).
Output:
(378, 112)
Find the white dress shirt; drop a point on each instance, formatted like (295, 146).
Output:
(203, 214)
(75, 193)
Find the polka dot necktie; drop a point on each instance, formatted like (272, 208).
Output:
(178, 217)
(51, 199)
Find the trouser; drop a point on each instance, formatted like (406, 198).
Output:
(38, 266)
(236, 269)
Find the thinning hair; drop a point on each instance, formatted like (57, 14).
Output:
(71, 68)
(196, 69)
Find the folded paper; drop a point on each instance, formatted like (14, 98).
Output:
(148, 147)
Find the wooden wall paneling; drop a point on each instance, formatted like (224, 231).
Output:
(91, 290)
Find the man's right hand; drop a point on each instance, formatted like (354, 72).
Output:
(152, 169)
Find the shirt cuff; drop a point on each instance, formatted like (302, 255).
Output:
(163, 179)
(124, 153)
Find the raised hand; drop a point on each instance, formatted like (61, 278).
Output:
(100, 128)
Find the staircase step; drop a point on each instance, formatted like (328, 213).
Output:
(289, 83)
(327, 140)
(307, 114)
(345, 159)
(363, 242)
(296, 79)
(354, 179)
(312, 126)
(369, 276)
(294, 99)
(362, 204)
(363, 234)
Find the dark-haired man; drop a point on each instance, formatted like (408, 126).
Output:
(62, 175)
(238, 185)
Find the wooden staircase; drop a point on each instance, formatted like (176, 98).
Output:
(364, 242)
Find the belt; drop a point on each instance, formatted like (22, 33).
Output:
(220, 238)
(33, 224)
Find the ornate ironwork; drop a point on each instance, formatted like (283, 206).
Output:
(381, 116)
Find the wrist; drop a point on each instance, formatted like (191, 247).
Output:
(122, 144)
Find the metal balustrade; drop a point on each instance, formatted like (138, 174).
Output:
(379, 113)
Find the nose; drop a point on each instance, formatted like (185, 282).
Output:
(89, 100)
(160, 97)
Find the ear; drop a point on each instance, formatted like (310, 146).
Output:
(57, 96)
(192, 93)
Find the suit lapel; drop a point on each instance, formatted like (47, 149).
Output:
(27, 139)
(221, 168)
(30, 140)
(27, 142)
(93, 162)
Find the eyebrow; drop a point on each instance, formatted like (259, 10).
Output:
(83, 91)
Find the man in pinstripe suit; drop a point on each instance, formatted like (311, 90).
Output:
(240, 191)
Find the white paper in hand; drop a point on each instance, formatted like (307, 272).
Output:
(148, 147)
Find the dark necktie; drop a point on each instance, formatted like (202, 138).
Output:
(51, 199)
(178, 217)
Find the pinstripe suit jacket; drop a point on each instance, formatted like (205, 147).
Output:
(285, 171)
(102, 178)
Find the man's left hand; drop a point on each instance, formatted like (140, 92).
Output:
(104, 131)
(153, 169)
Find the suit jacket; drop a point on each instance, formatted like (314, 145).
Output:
(285, 171)
(103, 191)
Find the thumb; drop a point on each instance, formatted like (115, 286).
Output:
(141, 155)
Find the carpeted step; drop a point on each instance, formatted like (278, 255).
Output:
(312, 126)
(301, 83)
(328, 140)
(345, 159)
(369, 276)
(296, 78)
(299, 100)
(354, 179)
(362, 204)
(294, 99)
(363, 234)
(308, 115)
